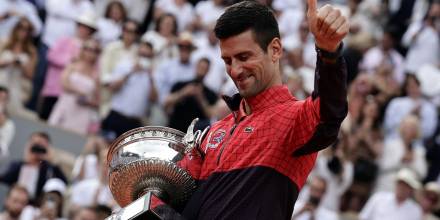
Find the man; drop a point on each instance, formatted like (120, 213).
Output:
(313, 209)
(16, 200)
(191, 99)
(34, 170)
(395, 206)
(257, 158)
(131, 76)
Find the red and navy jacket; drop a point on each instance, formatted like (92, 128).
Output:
(255, 165)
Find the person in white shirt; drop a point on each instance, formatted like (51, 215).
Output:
(384, 54)
(133, 90)
(110, 25)
(399, 152)
(177, 69)
(7, 127)
(397, 205)
(182, 9)
(423, 41)
(10, 12)
(412, 103)
(311, 209)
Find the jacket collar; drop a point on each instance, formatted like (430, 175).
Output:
(263, 100)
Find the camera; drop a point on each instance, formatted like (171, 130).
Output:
(38, 149)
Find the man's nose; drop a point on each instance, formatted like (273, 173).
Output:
(236, 69)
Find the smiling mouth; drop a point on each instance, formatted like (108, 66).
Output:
(242, 81)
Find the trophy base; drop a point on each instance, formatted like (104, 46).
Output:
(146, 207)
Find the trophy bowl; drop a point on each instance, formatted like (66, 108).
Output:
(144, 160)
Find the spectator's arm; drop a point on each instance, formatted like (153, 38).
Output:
(153, 91)
(29, 67)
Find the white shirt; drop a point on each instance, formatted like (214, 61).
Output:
(208, 11)
(7, 132)
(171, 72)
(383, 205)
(376, 57)
(321, 213)
(336, 186)
(390, 162)
(217, 76)
(22, 7)
(60, 18)
(83, 193)
(90, 165)
(108, 31)
(400, 107)
(184, 14)
(425, 49)
(28, 178)
(132, 98)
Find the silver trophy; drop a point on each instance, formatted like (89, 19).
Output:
(144, 172)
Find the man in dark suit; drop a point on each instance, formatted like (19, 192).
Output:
(35, 169)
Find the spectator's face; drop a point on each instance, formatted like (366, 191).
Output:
(86, 214)
(412, 88)
(387, 42)
(4, 97)
(296, 58)
(317, 188)
(16, 202)
(409, 130)
(129, 34)
(116, 12)
(202, 69)
(252, 69)
(185, 50)
(24, 30)
(90, 51)
(304, 31)
(403, 190)
(84, 32)
(40, 141)
(166, 26)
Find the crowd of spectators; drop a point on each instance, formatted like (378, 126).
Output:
(99, 68)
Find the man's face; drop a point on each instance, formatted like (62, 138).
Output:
(251, 69)
(403, 190)
(16, 202)
(42, 142)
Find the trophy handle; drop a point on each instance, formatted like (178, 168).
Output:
(193, 140)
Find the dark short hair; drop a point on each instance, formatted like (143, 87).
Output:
(4, 89)
(42, 134)
(162, 17)
(248, 15)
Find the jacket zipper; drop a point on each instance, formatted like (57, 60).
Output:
(226, 143)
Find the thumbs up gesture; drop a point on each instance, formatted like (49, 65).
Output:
(327, 25)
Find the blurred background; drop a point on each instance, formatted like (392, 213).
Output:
(76, 74)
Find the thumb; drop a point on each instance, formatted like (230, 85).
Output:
(311, 11)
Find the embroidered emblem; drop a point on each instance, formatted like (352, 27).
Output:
(248, 129)
(215, 138)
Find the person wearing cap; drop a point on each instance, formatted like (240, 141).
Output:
(177, 69)
(397, 205)
(134, 91)
(429, 200)
(59, 56)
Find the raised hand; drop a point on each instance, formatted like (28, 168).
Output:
(327, 24)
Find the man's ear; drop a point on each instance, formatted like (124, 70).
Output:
(275, 49)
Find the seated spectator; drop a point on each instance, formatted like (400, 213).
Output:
(397, 205)
(18, 57)
(191, 99)
(112, 54)
(59, 56)
(384, 54)
(177, 69)
(429, 200)
(76, 108)
(94, 191)
(15, 202)
(12, 10)
(133, 91)
(411, 103)
(34, 170)
(50, 205)
(423, 41)
(7, 126)
(401, 152)
(181, 9)
(87, 165)
(163, 37)
(311, 208)
(110, 26)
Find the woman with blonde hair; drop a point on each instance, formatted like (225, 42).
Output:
(76, 109)
(18, 57)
